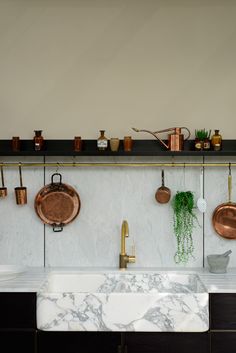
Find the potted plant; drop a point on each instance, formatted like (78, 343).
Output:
(202, 139)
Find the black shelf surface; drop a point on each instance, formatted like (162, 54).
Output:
(140, 148)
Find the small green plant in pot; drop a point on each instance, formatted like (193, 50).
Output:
(202, 139)
(184, 222)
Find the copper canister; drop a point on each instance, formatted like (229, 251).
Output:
(176, 140)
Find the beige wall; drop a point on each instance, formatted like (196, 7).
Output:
(75, 66)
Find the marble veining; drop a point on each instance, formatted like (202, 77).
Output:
(123, 302)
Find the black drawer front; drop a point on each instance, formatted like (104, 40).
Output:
(223, 311)
(17, 310)
(14, 342)
(78, 342)
(167, 342)
(223, 342)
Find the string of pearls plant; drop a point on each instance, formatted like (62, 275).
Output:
(184, 222)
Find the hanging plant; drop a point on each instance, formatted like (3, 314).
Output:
(184, 219)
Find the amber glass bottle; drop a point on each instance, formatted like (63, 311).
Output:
(38, 140)
(102, 141)
(216, 141)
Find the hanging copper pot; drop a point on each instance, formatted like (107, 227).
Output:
(57, 204)
(163, 193)
(224, 216)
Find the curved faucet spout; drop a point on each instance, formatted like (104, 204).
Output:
(124, 258)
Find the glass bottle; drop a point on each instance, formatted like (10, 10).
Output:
(38, 140)
(206, 144)
(102, 141)
(216, 141)
(198, 144)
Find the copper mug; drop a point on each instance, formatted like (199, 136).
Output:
(21, 195)
(21, 191)
(78, 142)
(128, 143)
(3, 189)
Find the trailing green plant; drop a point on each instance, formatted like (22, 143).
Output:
(184, 222)
(202, 134)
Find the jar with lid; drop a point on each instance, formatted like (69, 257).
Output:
(38, 140)
(102, 141)
(216, 141)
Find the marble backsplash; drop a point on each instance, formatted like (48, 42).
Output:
(108, 196)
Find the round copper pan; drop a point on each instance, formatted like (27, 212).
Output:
(224, 216)
(57, 204)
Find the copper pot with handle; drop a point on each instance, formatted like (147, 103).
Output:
(57, 204)
(163, 193)
(224, 215)
(175, 139)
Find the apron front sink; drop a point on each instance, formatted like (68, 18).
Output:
(122, 301)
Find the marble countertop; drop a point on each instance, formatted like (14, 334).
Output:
(33, 277)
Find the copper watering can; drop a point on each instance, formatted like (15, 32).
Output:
(175, 140)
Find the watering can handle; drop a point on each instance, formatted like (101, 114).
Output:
(189, 133)
(173, 129)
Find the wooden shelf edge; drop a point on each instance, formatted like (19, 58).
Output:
(140, 148)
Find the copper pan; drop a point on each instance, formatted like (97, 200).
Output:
(57, 204)
(163, 193)
(224, 216)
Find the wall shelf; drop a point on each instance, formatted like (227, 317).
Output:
(140, 148)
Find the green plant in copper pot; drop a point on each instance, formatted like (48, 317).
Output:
(184, 222)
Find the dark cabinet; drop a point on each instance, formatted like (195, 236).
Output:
(18, 322)
(18, 341)
(17, 310)
(223, 322)
(223, 342)
(167, 342)
(223, 311)
(78, 342)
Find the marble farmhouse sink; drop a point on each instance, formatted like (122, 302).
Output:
(122, 301)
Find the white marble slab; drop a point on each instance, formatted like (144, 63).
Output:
(34, 277)
(123, 301)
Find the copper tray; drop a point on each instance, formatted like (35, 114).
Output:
(57, 204)
(224, 216)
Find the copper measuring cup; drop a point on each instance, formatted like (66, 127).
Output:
(3, 189)
(21, 191)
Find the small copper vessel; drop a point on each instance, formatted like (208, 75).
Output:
(128, 143)
(3, 189)
(15, 144)
(21, 191)
(78, 144)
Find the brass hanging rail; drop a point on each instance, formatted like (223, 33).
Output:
(118, 164)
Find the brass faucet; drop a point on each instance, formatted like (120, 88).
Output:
(124, 258)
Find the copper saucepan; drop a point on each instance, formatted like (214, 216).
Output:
(57, 204)
(163, 193)
(224, 216)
